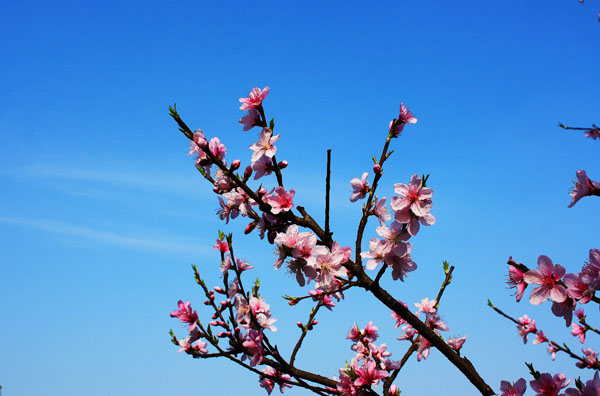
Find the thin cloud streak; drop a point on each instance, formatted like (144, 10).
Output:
(151, 181)
(154, 243)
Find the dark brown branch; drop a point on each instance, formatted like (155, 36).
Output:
(327, 188)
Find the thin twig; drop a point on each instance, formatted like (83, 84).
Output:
(327, 188)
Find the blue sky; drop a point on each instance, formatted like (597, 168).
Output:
(102, 213)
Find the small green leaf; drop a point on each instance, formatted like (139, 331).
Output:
(272, 124)
(446, 266)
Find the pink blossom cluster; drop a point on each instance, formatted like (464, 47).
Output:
(546, 384)
(564, 290)
(433, 321)
(309, 261)
(370, 364)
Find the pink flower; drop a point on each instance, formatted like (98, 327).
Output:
(197, 143)
(423, 351)
(262, 167)
(405, 117)
(280, 379)
(577, 289)
(360, 187)
(329, 266)
(593, 133)
(254, 99)
(281, 201)
(456, 343)
(590, 360)
(253, 344)
(552, 349)
(540, 337)
(380, 211)
(547, 276)
(413, 204)
(217, 148)
(378, 249)
(515, 279)
(525, 327)
(578, 331)
(368, 374)
(426, 305)
(250, 120)
(547, 385)
(516, 389)
(584, 187)
(185, 314)
(221, 246)
(264, 145)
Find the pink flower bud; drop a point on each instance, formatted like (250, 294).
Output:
(223, 303)
(221, 323)
(237, 329)
(394, 390)
(216, 189)
(315, 322)
(221, 334)
(235, 164)
(250, 227)
(377, 169)
(219, 290)
(299, 324)
(293, 302)
(261, 192)
(214, 316)
(229, 333)
(214, 323)
(206, 302)
(248, 172)
(283, 164)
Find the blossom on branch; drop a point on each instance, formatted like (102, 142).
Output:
(547, 276)
(584, 187)
(254, 98)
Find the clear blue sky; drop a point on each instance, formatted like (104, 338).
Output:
(102, 212)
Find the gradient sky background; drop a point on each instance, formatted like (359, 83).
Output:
(102, 213)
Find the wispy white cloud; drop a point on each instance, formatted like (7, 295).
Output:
(157, 243)
(163, 182)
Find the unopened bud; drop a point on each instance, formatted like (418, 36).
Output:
(216, 189)
(223, 303)
(206, 302)
(293, 302)
(299, 324)
(237, 329)
(377, 169)
(219, 290)
(235, 164)
(221, 334)
(221, 323)
(214, 323)
(283, 164)
(271, 236)
(248, 172)
(394, 390)
(315, 322)
(229, 333)
(261, 192)
(250, 227)
(214, 316)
